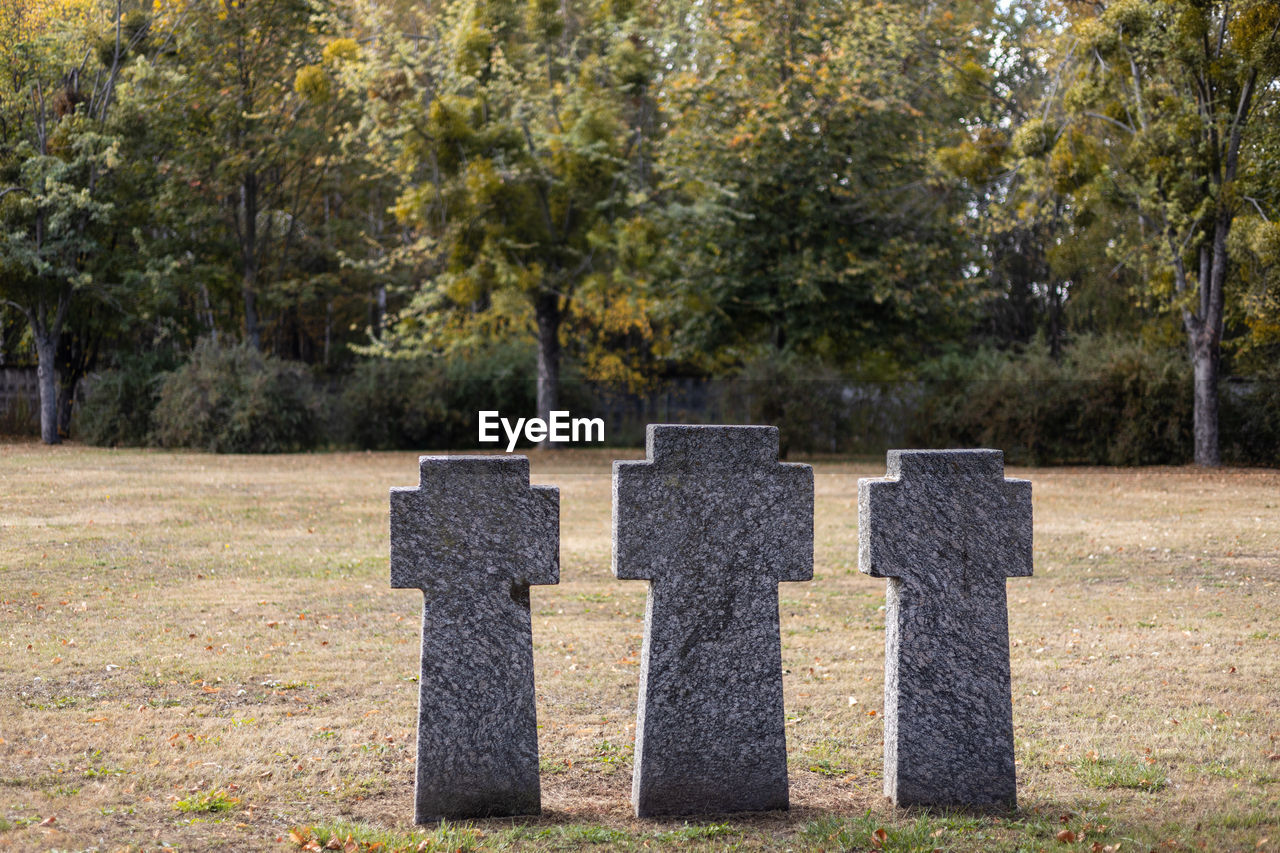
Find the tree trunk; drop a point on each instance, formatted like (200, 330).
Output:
(1206, 343)
(251, 328)
(548, 315)
(249, 257)
(1205, 361)
(46, 372)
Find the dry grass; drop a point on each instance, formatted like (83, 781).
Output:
(202, 652)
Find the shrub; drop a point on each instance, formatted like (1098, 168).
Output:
(1104, 402)
(234, 399)
(119, 403)
(392, 404)
(803, 399)
(432, 402)
(1250, 425)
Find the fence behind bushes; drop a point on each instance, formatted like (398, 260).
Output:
(19, 401)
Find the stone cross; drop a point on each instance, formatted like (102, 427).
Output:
(473, 536)
(946, 528)
(713, 522)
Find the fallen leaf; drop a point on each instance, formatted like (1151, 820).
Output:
(335, 843)
(879, 837)
(1066, 836)
(299, 838)
(49, 821)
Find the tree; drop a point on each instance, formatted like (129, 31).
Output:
(58, 155)
(1171, 90)
(808, 213)
(243, 117)
(522, 135)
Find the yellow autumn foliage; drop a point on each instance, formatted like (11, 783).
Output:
(313, 84)
(341, 50)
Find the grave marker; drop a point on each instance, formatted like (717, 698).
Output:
(473, 536)
(946, 528)
(713, 522)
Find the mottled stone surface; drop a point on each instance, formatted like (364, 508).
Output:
(713, 522)
(946, 528)
(473, 536)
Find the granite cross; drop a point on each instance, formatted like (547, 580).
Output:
(713, 522)
(473, 536)
(946, 528)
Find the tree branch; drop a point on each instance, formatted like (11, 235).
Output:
(1110, 120)
(1257, 207)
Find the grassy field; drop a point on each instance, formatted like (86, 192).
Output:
(202, 652)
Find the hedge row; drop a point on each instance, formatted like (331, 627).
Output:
(1104, 403)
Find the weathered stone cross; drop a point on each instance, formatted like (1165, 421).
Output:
(473, 536)
(946, 529)
(714, 522)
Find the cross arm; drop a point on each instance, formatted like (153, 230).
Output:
(1016, 553)
(630, 484)
(794, 522)
(473, 518)
(875, 497)
(539, 558)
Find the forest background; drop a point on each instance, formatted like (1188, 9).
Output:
(265, 225)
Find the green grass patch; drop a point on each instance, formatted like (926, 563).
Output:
(553, 766)
(868, 832)
(826, 768)
(210, 801)
(577, 834)
(1125, 772)
(350, 836)
(611, 754)
(696, 832)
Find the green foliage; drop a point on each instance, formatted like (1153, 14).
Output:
(1251, 421)
(422, 402)
(1178, 98)
(804, 210)
(210, 801)
(234, 399)
(118, 409)
(802, 397)
(781, 194)
(523, 156)
(1106, 402)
